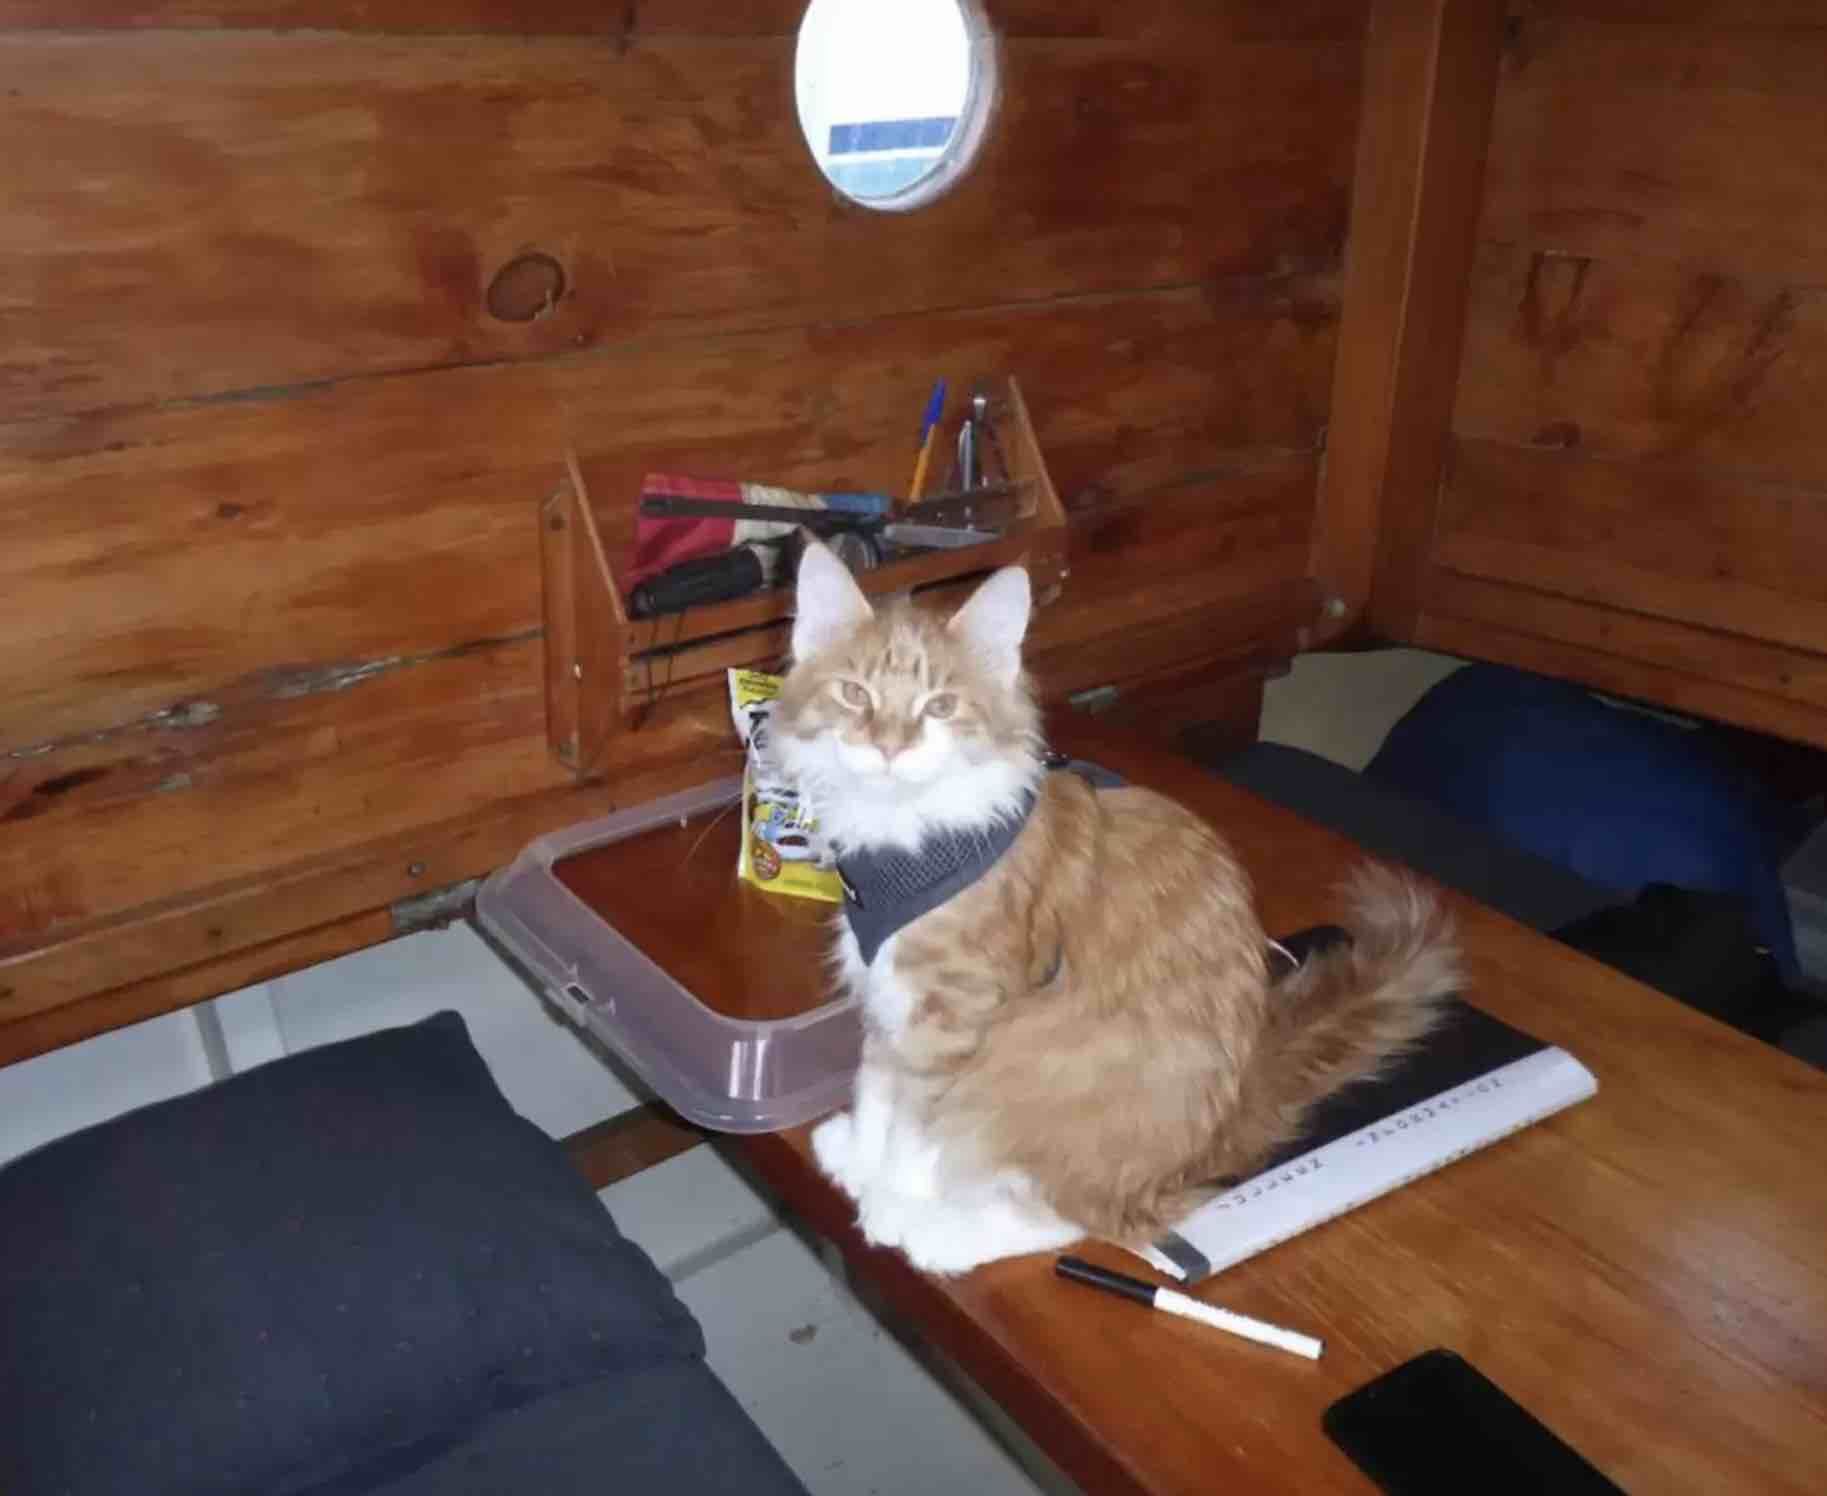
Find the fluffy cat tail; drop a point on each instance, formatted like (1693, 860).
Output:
(1347, 1011)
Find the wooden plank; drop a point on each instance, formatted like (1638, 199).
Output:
(638, 1139)
(1115, 618)
(1430, 72)
(1798, 678)
(633, 21)
(1723, 15)
(1736, 556)
(105, 825)
(1208, 711)
(1251, 626)
(1648, 361)
(167, 556)
(1642, 475)
(165, 991)
(115, 881)
(1659, 685)
(393, 177)
(1216, 519)
(428, 710)
(1243, 20)
(1694, 145)
(201, 921)
(520, 18)
(162, 558)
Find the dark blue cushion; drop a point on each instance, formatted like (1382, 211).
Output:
(1622, 798)
(1402, 828)
(672, 1430)
(319, 1267)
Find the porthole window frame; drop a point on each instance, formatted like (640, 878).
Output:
(976, 117)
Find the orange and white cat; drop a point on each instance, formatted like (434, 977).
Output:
(1070, 1028)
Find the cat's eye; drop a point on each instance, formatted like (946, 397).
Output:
(941, 706)
(853, 694)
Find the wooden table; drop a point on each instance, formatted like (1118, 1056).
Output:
(1647, 1272)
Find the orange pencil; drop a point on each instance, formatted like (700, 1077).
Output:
(929, 429)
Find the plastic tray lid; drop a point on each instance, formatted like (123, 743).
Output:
(760, 1059)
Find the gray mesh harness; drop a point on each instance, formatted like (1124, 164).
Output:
(885, 889)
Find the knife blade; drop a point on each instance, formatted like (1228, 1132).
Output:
(924, 529)
(994, 506)
(933, 537)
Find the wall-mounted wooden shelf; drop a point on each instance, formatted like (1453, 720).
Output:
(602, 666)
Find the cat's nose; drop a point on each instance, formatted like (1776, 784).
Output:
(893, 745)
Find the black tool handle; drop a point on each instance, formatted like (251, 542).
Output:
(692, 584)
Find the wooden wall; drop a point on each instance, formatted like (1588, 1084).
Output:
(1635, 486)
(269, 637)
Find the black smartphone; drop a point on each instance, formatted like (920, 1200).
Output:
(1437, 1426)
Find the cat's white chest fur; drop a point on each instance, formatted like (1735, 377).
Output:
(887, 1000)
(908, 1192)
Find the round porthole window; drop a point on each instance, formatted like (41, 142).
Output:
(894, 95)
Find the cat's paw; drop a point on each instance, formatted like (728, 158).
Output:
(950, 1239)
(944, 1245)
(883, 1217)
(834, 1146)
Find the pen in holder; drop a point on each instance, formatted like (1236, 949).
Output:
(929, 429)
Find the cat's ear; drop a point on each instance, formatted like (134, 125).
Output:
(829, 606)
(991, 625)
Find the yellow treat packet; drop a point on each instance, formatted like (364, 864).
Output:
(781, 848)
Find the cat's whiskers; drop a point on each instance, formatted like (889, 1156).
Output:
(709, 826)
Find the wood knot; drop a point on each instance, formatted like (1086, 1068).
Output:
(527, 287)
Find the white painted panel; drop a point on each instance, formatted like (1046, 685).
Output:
(250, 1027)
(689, 1211)
(541, 1065)
(51, 1094)
(847, 1406)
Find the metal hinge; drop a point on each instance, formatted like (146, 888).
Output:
(433, 910)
